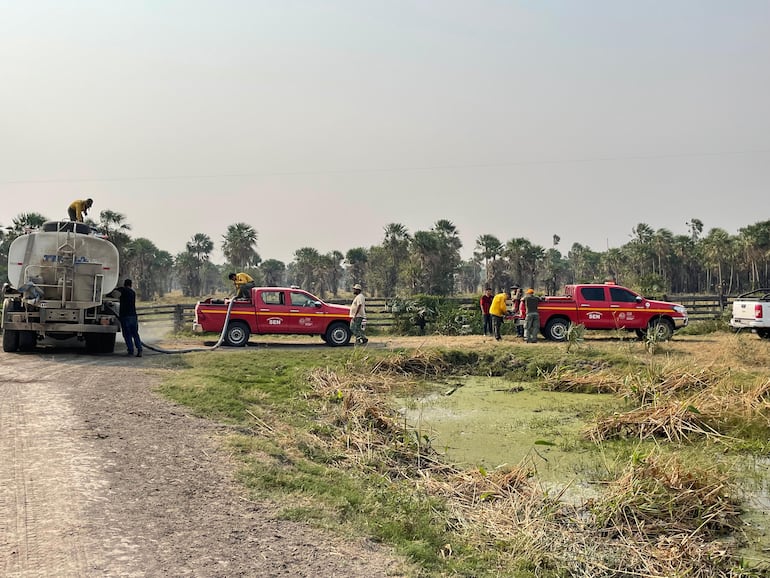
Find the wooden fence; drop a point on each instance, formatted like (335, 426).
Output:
(699, 307)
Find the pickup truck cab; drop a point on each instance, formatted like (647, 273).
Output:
(274, 310)
(752, 311)
(608, 306)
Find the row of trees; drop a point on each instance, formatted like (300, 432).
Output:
(428, 262)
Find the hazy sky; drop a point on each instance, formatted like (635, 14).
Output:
(320, 122)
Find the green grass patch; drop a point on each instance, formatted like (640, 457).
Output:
(317, 432)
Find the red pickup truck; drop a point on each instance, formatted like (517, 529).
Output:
(275, 310)
(608, 306)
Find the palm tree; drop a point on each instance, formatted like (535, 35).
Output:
(488, 248)
(113, 225)
(306, 262)
(239, 246)
(396, 247)
(356, 259)
(25, 221)
(141, 255)
(187, 273)
(200, 247)
(273, 271)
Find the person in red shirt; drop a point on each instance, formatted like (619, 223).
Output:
(485, 302)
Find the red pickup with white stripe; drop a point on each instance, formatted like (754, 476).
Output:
(275, 310)
(608, 306)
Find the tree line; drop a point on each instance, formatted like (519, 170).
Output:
(654, 262)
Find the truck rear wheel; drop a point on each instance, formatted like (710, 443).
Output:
(556, 329)
(10, 340)
(338, 334)
(237, 334)
(763, 333)
(27, 340)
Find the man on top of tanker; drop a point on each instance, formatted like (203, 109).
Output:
(79, 208)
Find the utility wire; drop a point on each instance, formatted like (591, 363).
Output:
(391, 169)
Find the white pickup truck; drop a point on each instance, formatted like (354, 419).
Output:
(752, 311)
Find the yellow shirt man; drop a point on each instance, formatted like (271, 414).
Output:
(499, 307)
(79, 208)
(244, 283)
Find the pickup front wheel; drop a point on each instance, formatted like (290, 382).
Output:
(337, 334)
(662, 329)
(237, 334)
(556, 329)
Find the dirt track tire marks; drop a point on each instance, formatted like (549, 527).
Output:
(100, 476)
(50, 477)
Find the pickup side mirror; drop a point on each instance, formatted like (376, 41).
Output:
(639, 299)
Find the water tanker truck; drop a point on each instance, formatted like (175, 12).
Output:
(59, 275)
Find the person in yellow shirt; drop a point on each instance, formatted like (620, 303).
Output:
(498, 311)
(243, 285)
(79, 208)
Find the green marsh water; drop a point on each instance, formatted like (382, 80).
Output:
(490, 422)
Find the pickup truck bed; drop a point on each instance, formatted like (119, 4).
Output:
(752, 311)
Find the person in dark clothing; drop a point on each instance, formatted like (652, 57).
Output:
(528, 306)
(129, 322)
(485, 302)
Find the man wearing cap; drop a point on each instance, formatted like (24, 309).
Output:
(531, 316)
(358, 315)
(77, 209)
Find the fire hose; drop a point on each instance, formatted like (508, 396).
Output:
(196, 349)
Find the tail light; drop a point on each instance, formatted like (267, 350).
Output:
(758, 311)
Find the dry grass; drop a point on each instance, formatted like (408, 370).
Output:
(657, 518)
(580, 381)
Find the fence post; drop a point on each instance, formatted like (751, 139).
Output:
(178, 318)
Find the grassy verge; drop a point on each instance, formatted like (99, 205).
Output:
(316, 431)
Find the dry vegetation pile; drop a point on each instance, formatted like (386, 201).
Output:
(680, 405)
(578, 380)
(656, 518)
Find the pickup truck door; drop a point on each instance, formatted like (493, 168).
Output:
(627, 308)
(594, 308)
(304, 311)
(273, 311)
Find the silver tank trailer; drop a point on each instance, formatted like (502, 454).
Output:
(62, 273)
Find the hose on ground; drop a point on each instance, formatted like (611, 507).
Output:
(196, 349)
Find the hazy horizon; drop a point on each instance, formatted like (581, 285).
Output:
(320, 123)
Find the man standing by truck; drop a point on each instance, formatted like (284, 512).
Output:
(529, 304)
(485, 302)
(498, 310)
(129, 322)
(358, 315)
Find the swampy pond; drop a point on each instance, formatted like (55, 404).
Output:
(490, 422)
(480, 422)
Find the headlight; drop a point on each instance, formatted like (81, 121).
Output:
(680, 309)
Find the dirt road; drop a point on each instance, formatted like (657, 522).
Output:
(100, 476)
